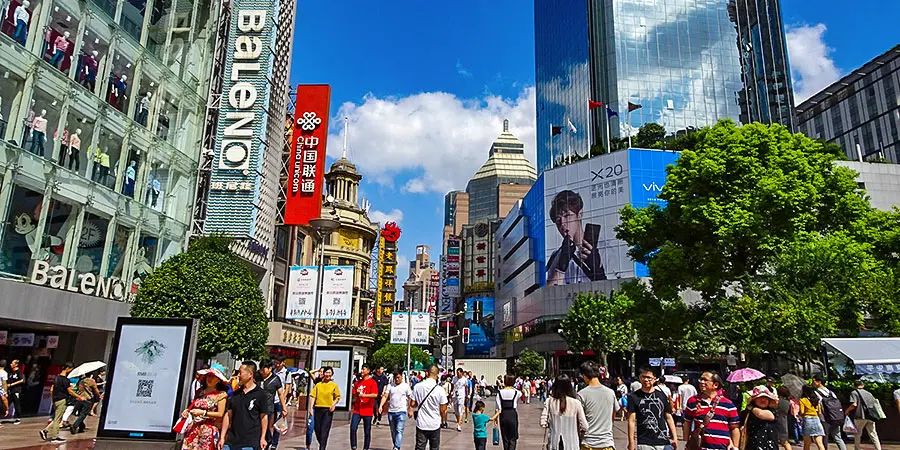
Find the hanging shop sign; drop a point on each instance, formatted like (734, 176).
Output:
(60, 277)
(387, 271)
(233, 201)
(306, 166)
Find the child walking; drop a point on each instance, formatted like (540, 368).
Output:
(480, 419)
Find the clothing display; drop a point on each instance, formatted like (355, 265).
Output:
(21, 17)
(89, 74)
(143, 110)
(38, 133)
(60, 47)
(63, 146)
(117, 93)
(73, 150)
(130, 175)
(153, 193)
(29, 118)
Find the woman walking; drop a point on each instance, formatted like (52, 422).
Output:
(507, 400)
(325, 396)
(810, 409)
(564, 415)
(783, 417)
(207, 410)
(761, 429)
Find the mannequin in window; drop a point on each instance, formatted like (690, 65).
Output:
(117, 96)
(29, 118)
(89, 80)
(155, 189)
(162, 127)
(130, 175)
(74, 150)
(21, 17)
(60, 47)
(38, 133)
(144, 109)
(63, 146)
(101, 166)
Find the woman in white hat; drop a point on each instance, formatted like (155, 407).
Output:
(760, 428)
(207, 410)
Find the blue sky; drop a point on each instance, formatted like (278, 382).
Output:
(427, 84)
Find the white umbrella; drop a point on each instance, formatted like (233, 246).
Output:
(86, 368)
(673, 379)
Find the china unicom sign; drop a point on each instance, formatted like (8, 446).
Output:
(238, 155)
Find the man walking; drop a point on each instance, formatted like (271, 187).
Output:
(431, 400)
(650, 422)
(382, 380)
(832, 415)
(14, 385)
(724, 432)
(862, 409)
(364, 393)
(599, 404)
(399, 400)
(685, 391)
(246, 418)
(275, 397)
(60, 391)
(287, 383)
(460, 394)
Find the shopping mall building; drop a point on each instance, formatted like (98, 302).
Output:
(103, 106)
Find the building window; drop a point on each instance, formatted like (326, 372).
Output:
(21, 238)
(281, 243)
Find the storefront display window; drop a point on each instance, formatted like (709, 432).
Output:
(144, 260)
(41, 131)
(132, 19)
(10, 87)
(73, 154)
(90, 244)
(132, 165)
(107, 7)
(158, 31)
(168, 113)
(105, 158)
(61, 220)
(18, 19)
(117, 252)
(94, 51)
(157, 182)
(146, 97)
(21, 238)
(59, 38)
(119, 79)
(168, 249)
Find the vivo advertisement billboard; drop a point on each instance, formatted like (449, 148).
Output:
(240, 136)
(580, 210)
(481, 331)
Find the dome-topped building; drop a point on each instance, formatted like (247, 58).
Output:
(502, 179)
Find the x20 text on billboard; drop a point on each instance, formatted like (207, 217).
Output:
(248, 47)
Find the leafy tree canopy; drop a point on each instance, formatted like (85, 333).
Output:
(393, 357)
(210, 283)
(650, 135)
(529, 364)
(602, 323)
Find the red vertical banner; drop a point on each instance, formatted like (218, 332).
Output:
(306, 167)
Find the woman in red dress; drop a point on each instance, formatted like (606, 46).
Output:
(207, 409)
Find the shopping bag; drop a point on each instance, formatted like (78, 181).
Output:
(184, 424)
(281, 425)
(496, 437)
(849, 428)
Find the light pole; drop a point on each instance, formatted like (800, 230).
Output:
(409, 287)
(324, 227)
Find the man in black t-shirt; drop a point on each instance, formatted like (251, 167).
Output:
(14, 389)
(650, 422)
(382, 380)
(275, 396)
(246, 414)
(62, 389)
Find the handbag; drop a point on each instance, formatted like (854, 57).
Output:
(873, 412)
(184, 425)
(416, 412)
(496, 436)
(744, 430)
(695, 441)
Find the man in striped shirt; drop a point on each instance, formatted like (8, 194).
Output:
(723, 431)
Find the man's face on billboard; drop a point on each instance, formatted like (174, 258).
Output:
(568, 224)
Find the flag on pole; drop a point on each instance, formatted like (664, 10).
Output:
(554, 130)
(571, 126)
(633, 106)
(594, 105)
(610, 112)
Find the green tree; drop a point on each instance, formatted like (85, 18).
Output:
(393, 357)
(602, 323)
(650, 135)
(382, 337)
(210, 283)
(529, 364)
(734, 202)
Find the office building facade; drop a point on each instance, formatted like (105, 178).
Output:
(861, 111)
(686, 63)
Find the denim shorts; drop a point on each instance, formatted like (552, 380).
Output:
(812, 426)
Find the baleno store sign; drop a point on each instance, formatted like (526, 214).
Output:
(59, 277)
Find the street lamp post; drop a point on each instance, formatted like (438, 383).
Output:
(410, 287)
(324, 227)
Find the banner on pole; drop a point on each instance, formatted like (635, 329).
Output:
(337, 293)
(421, 321)
(301, 292)
(399, 324)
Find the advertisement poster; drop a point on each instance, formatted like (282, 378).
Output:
(421, 321)
(481, 326)
(306, 166)
(301, 295)
(21, 340)
(337, 292)
(399, 324)
(339, 359)
(146, 386)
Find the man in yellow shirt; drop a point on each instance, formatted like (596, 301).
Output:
(326, 395)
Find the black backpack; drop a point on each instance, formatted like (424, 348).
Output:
(833, 411)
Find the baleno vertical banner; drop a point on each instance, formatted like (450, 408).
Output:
(306, 167)
(240, 136)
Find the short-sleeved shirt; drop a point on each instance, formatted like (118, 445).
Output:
(651, 409)
(15, 376)
(480, 421)
(364, 406)
(60, 388)
(459, 387)
(283, 373)
(398, 397)
(86, 387)
(718, 432)
(599, 403)
(868, 401)
(4, 378)
(382, 381)
(247, 409)
(271, 385)
(897, 395)
(325, 394)
(429, 417)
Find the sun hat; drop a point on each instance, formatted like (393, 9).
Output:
(761, 391)
(216, 370)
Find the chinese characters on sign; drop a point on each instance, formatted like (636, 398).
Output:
(387, 271)
(337, 293)
(301, 292)
(307, 161)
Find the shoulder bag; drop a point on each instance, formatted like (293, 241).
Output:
(416, 412)
(695, 441)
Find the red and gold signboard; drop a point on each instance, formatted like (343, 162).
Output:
(387, 271)
(306, 167)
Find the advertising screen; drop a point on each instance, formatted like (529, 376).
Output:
(481, 329)
(581, 210)
(341, 362)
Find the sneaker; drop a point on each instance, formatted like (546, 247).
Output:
(458, 428)
(43, 434)
(17, 422)
(58, 440)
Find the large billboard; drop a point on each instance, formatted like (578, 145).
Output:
(581, 210)
(481, 325)
(233, 203)
(306, 165)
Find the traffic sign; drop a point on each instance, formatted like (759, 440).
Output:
(447, 350)
(669, 362)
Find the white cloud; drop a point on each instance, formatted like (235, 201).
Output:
(395, 215)
(439, 138)
(812, 66)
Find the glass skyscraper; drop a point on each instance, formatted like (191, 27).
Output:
(688, 63)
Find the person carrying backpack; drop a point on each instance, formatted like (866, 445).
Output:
(832, 412)
(865, 410)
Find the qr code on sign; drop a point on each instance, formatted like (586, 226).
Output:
(145, 388)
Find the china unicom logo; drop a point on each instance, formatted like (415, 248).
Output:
(309, 121)
(150, 350)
